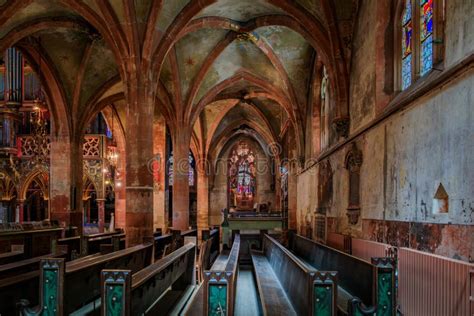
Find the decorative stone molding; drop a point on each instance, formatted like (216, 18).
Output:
(341, 125)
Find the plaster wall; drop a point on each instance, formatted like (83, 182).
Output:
(408, 155)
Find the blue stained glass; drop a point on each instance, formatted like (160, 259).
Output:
(426, 38)
(406, 40)
(426, 55)
(2, 85)
(407, 12)
(406, 72)
(426, 19)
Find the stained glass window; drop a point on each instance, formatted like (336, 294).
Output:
(426, 36)
(191, 169)
(2, 83)
(407, 45)
(242, 172)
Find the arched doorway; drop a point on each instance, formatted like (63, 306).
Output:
(35, 198)
(8, 199)
(91, 208)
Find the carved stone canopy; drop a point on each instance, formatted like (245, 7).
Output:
(341, 125)
(353, 159)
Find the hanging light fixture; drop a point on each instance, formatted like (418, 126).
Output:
(112, 150)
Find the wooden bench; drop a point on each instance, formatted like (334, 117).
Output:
(92, 243)
(73, 245)
(36, 242)
(288, 286)
(28, 265)
(220, 283)
(364, 287)
(214, 246)
(165, 244)
(64, 288)
(128, 293)
(15, 254)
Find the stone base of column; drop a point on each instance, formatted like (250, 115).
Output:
(138, 226)
(139, 215)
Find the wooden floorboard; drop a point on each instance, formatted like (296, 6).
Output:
(247, 301)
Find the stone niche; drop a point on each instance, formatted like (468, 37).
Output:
(352, 163)
(440, 201)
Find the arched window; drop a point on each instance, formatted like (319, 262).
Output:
(426, 36)
(421, 38)
(242, 181)
(324, 108)
(192, 166)
(407, 45)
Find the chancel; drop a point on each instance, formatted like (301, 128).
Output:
(237, 157)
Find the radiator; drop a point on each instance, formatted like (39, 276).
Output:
(433, 285)
(366, 249)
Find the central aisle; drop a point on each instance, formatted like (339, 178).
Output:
(246, 301)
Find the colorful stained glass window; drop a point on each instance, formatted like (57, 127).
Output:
(191, 177)
(242, 176)
(426, 35)
(2, 85)
(407, 45)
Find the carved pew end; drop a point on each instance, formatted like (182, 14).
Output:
(115, 290)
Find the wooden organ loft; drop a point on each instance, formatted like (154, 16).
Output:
(25, 145)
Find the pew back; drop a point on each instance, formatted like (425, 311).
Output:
(355, 275)
(126, 292)
(220, 285)
(70, 286)
(300, 281)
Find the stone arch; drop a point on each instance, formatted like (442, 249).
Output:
(41, 176)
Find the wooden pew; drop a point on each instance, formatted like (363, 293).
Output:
(124, 293)
(288, 286)
(36, 242)
(165, 244)
(117, 243)
(220, 283)
(160, 243)
(73, 246)
(91, 243)
(212, 235)
(28, 265)
(364, 287)
(64, 288)
(16, 253)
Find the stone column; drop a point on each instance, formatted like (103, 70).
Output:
(21, 206)
(158, 166)
(139, 150)
(60, 179)
(76, 217)
(181, 139)
(101, 211)
(202, 197)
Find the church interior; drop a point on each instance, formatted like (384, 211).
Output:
(237, 157)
